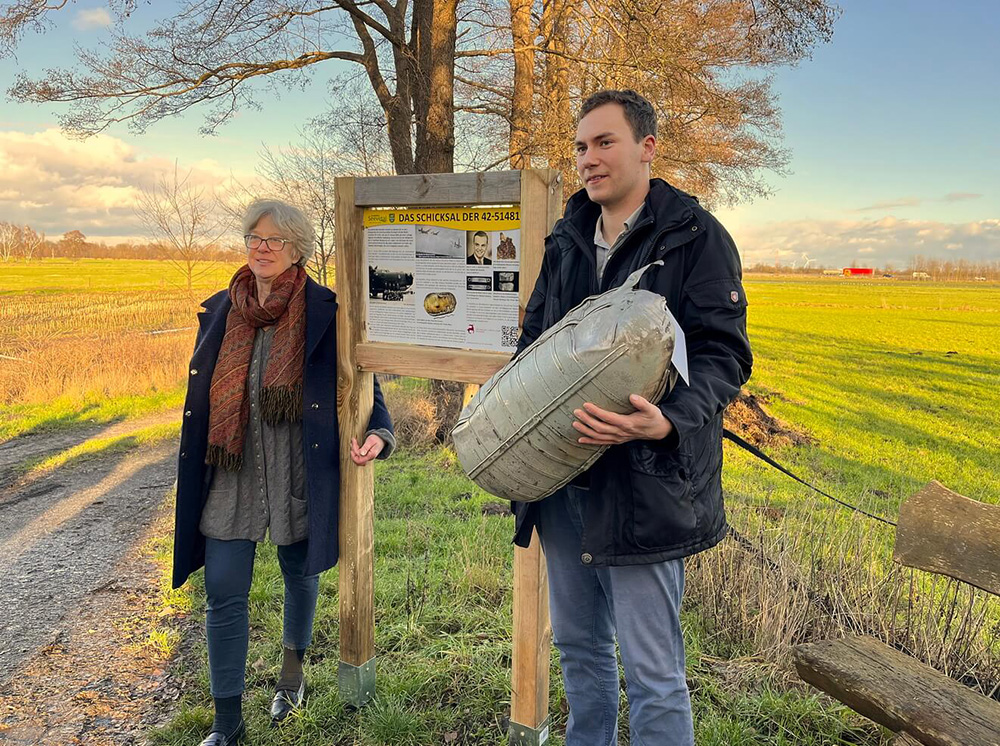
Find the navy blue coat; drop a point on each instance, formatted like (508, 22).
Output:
(320, 433)
(660, 500)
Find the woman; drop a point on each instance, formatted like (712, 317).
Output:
(260, 451)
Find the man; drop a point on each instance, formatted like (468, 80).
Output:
(480, 249)
(615, 540)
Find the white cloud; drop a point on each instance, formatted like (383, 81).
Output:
(56, 184)
(837, 242)
(91, 18)
(906, 202)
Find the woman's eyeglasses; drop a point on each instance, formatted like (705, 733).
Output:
(254, 242)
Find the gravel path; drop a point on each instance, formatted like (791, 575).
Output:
(63, 533)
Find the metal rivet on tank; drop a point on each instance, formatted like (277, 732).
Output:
(587, 558)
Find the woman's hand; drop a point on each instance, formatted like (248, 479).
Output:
(373, 447)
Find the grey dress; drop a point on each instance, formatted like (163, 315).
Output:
(269, 492)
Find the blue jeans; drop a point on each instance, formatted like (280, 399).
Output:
(590, 606)
(228, 572)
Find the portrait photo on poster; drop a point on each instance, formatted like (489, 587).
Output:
(479, 248)
(507, 245)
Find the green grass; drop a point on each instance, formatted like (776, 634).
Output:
(896, 381)
(443, 635)
(77, 341)
(59, 276)
(70, 413)
(100, 447)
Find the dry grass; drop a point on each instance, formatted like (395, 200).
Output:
(86, 346)
(414, 416)
(809, 570)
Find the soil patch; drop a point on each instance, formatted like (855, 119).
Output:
(747, 417)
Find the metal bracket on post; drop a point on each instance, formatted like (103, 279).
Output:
(357, 683)
(522, 735)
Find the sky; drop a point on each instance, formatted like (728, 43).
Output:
(892, 127)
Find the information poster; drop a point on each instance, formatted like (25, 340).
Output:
(444, 276)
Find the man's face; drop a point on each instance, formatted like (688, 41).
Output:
(611, 164)
(479, 247)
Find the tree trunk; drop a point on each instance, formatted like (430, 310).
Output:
(522, 102)
(556, 86)
(436, 139)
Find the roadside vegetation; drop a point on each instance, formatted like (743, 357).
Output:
(869, 389)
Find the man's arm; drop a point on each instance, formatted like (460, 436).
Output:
(713, 316)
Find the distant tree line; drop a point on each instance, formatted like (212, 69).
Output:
(948, 270)
(24, 243)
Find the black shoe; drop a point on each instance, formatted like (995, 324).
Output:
(286, 700)
(221, 739)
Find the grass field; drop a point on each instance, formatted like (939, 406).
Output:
(893, 383)
(94, 340)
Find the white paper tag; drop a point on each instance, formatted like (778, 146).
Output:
(679, 359)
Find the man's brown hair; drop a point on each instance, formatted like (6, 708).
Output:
(639, 113)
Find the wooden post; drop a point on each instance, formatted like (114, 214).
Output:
(541, 201)
(356, 676)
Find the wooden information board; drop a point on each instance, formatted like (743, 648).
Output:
(538, 193)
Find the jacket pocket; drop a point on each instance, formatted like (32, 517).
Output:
(726, 293)
(663, 512)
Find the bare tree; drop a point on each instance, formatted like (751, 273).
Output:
(185, 221)
(30, 241)
(213, 53)
(10, 240)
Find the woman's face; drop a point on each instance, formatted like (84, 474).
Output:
(265, 263)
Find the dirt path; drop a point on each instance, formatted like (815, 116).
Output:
(106, 678)
(64, 535)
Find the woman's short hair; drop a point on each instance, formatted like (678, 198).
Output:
(291, 221)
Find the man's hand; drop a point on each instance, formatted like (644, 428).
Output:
(373, 447)
(600, 427)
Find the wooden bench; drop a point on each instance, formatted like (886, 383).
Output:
(942, 532)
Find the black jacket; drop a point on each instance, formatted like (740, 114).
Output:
(655, 500)
(320, 433)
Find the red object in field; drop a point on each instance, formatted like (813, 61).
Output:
(859, 272)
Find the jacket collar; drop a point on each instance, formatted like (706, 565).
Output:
(667, 206)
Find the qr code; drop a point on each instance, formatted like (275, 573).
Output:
(508, 336)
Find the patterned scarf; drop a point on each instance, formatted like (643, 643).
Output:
(281, 393)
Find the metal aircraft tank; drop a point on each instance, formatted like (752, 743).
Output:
(516, 439)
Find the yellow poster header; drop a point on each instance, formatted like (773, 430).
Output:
(461, 218)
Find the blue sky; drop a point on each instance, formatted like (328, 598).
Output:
(892, 129)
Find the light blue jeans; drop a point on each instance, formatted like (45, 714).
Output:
(590, 606)
(228, 573)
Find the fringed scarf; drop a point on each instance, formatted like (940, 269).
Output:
(281, 393)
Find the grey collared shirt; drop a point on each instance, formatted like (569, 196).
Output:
(604, 249)
(269, 491)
